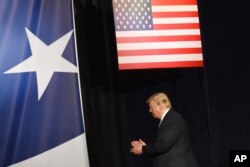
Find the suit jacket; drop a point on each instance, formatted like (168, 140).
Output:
(172, 146)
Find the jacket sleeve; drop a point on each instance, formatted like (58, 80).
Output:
(166, 139)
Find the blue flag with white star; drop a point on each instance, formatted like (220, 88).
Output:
(41, 118)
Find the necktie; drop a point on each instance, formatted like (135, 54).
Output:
(160, 124)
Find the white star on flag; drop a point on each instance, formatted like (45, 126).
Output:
(45, 60)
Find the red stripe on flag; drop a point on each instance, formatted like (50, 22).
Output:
(159, 52)
(173, 2)
(174, 14)
(158, 39)
(161, 65)
(176, 26)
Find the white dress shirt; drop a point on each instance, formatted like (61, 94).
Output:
(163, 116)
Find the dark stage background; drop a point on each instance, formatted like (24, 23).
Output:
(214, 100)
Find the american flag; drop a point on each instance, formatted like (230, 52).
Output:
(157, 34)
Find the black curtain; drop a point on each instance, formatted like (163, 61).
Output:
(213, 99)
(103, 109)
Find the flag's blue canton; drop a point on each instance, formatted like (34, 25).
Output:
(27, 126)
(132, 15)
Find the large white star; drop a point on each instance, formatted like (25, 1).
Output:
(45, 60)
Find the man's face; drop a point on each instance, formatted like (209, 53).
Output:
(155, 109)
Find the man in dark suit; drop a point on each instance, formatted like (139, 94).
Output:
(172, 146)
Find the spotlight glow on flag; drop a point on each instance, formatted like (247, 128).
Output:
(157, 34)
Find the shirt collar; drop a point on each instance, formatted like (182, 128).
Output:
(164, 114)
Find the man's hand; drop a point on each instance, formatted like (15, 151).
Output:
(137, 147)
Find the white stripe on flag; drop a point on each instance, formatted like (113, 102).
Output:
(176, 20)
(158, 45)
(175, 8)
(71, 153)
(157, 33)
(160, 58)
